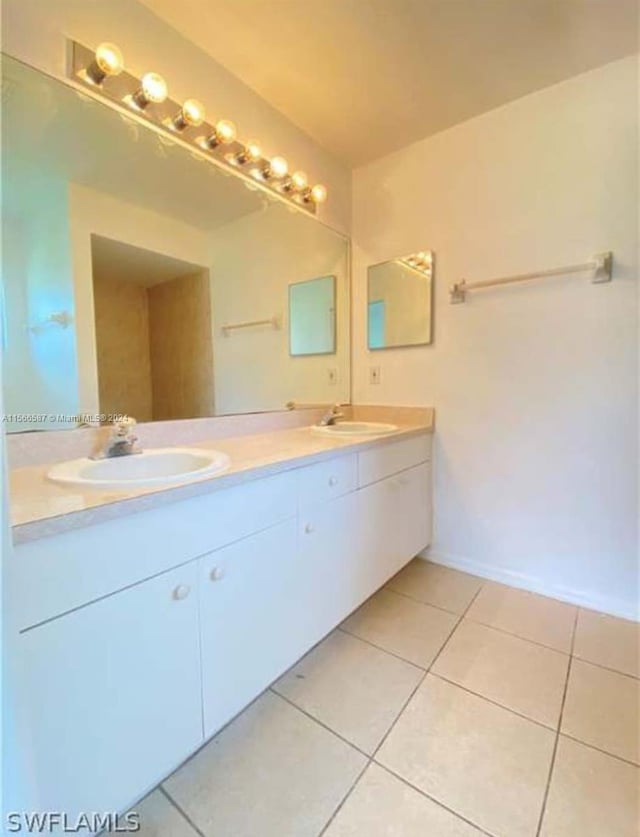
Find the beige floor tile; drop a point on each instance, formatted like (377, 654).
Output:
(413, 630)
(525, 614)
(159, 818)
(591, 795)
(272, 772)
(436, 585)
(484, 762)
(607, 641)
(383, 806)
(602, 709)
(352, 687)
(516, 673)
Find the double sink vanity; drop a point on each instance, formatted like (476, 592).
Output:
(145, 619)
(151, 596)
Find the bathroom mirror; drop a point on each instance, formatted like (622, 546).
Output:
(141, 279)
(399, 301)
(312, 316)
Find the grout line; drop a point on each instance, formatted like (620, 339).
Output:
(421, 601)
(423, 678)
(548, 727)
(345, 797)
(600, 750)
(519, 636)
(380, 648)
(431, 798)
(605, 668)
(557, 738)
(180, 810)
(319, 722)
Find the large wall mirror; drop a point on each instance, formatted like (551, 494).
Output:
(140, 279)
(400, 301)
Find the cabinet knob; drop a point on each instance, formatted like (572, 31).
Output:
(181, 592)
(333, 480)
(308, 528)
(216, 574)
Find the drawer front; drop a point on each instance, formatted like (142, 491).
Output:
(326, 480)
(50, 576)
(383, 461)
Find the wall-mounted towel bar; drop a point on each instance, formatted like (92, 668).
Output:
(601, 266)
(274, 322)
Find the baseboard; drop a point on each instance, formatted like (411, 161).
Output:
(604, 604)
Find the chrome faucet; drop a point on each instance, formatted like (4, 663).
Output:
(331, 416)
(122, 441)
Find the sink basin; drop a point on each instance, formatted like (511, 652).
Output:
(156, 467)
(356, 428)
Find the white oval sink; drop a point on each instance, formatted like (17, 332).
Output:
(159, 466)
(356, 428)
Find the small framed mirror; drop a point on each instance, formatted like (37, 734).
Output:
(312, 317)
(399, 301)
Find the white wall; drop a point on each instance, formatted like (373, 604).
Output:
(35, 30)
(535, 386)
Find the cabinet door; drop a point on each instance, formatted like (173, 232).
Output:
(394, 522)
(109, 696)
(250, 620)
(331, 565)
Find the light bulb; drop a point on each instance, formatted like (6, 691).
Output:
(153, 88)
(191, 113)
(276, 167)
(223, 133)
(317, 193)
(251, 153)
(108, 61)
(299, 180)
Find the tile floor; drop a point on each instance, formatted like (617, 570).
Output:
(446, 706)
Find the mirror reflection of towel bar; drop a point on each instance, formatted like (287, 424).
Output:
(274, 322)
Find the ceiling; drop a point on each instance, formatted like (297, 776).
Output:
(367, 77)
(119, 262)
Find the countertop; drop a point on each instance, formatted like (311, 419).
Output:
(40, 507)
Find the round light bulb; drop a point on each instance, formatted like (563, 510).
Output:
(299, 180)
(252, 151)
(225, 131)
(154, 88)
(278, 167)
(109, 59)
(192, 113)
(319, 193)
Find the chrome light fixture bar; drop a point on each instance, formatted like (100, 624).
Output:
(103, 72)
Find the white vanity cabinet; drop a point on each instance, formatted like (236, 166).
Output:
(108, 697)
(249, 619)
(138, 638)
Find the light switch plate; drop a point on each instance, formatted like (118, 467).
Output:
(374, 374)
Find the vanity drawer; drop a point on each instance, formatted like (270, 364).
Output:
(326, 480)
(50, 576)
(385, 460)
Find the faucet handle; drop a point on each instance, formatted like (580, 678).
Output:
(123, 427)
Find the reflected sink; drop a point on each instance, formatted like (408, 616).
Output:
(355, 428)
(155, 467)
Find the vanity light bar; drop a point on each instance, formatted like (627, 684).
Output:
(102, 71)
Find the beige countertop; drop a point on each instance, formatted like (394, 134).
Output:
(40, 507)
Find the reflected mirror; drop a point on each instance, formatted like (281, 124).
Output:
(312, 316)
(139, 278)
(399, 301)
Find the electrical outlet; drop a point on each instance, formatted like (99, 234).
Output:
(374, 374)
(332, 373)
